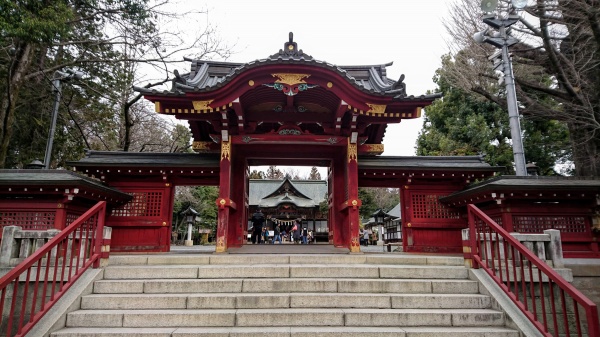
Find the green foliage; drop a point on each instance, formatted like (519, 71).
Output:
(34, 21)
(368, 203)
(105, 39)
(200, 198)
(463, 123)
(255, 174)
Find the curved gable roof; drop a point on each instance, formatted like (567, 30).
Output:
(207, 76)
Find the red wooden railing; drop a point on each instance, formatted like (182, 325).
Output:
(546, 298)
(30, 289)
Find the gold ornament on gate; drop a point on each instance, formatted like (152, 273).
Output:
(290, 79)
(225, 150)
(202, 105)
(352, 151)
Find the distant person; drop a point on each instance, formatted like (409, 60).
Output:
(296, 231)
(304, 236)
(277, 235)
(258, 220)
(366, 237)
(265, 234)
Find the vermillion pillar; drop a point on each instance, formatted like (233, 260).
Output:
(353, 204)
(224, 203)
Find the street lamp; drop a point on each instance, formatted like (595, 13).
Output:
(501, 39)
(379, 217)
(190, 217)
(57, 79)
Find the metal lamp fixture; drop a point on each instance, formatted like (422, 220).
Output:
(57, 79)
(379, 218)
(500, 38)
(190, 218)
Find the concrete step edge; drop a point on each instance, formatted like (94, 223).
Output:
(293, 331)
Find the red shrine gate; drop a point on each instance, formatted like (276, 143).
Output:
(290, 109)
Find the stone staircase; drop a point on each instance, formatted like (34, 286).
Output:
(285, 295)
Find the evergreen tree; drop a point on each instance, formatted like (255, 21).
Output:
(556, 66)
(314, 174)
(463, 123)
(274, 173)
(255, 174)
(107, 40)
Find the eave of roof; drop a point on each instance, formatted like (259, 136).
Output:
(16, 179)
(473, 163)
(199, 78)
(276, 201)
(289, 181)
(146, 159)
(514, 184)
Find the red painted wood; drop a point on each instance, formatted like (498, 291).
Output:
(338, 197)
(262, 75)
(573, 219)
(428, 225)
(143, 224)
(353, 203)
(238, 218)
(89, 226)
(480, 223)
(224, 200)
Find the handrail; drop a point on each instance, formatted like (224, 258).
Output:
(542, 295)
(55, 267)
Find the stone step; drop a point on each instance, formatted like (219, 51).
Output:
(283, 300)
(303, 331)
(270, 259)
(282, 285)
(284, 271)
(285, 317)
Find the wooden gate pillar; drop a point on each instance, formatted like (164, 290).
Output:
(353, 203)
(224, 203)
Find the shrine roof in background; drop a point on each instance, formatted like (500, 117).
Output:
(272, 192)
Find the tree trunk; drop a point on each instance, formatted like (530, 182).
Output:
(9, 97)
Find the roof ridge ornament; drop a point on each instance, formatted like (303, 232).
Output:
(290, 51)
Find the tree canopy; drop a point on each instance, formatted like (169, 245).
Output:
(464, 123)
(556, 65)
(108, 41)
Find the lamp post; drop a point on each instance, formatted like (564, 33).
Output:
(502, 40)
(190, 217)
(57, 79)
(379, 219)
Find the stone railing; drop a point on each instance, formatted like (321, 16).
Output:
(18, 244)
(546, 246)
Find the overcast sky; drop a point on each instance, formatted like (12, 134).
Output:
(408, 33)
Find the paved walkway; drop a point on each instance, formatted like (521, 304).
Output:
(276, 248)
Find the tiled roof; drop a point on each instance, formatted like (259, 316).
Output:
(424, 162)
(261, 192)
(395, 212)
(208, 75)
(529, 183)
(57, 179)
(146, 159)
